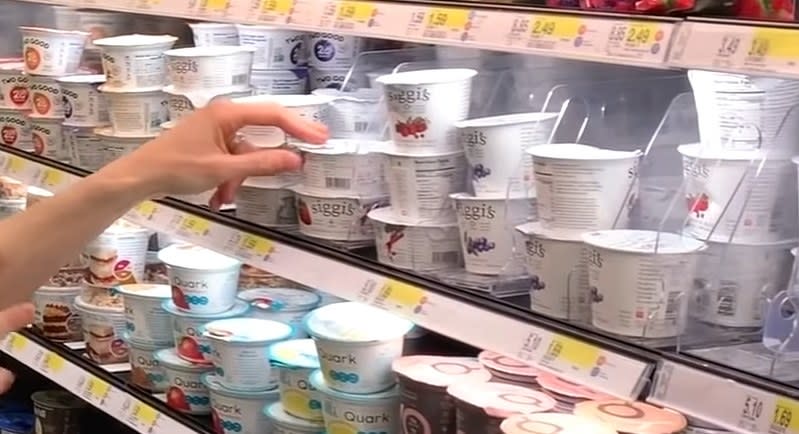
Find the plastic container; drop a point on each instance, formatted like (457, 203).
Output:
(312, 107)
(134, 114)
(239, 351)
(352, 167)
(214, 34)
(359, 114)
(356, 345)
(147, 321)
(267, 201)
(46, 99)
(329, 50)
(84, 148)
(146, 371)
(181, 103)
(84, 105)
(55, 313)
(188, 330)
(103, 328)
(286, 305)
(481, 407)
(14, 86)
(203, 281)
(48, 139)
(135, 62)
(284, 423)
(335, 216)
(57, 411)
(198, 68)
(275, 48)
(295, 360)
(186, 392)
(118, 255)
(632, 417)
(553, 422)
(113, 146)
(51, 52)
(280, 81)
(15, 130)
(235, 412)
(347, 412)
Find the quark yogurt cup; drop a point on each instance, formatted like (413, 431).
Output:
(14, 86)
(188, 330)
(348, 412)
(286, 305)
(346, 166)
(267, 201)
(356, 345)
(146, 371)
(197, 68)
(45, 94)
(329, 50)
(84, 105)
(15, 130)
(186, 392)
(549, 423)
(146, 320)
(51, 52)
(311, 107)
(275, 48)
(237, 412)
(284, 423)
(632, 417)
(118, 255)
(183, 103)
(214, 34)
(135, 114)
(295, 360)
(335, 216)
(481, 407)
(48, 138)
(135, 62)
(103, 329)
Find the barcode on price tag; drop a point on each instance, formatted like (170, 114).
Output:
(401, 296)
(574, 353)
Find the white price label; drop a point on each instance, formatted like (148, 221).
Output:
(643, 41)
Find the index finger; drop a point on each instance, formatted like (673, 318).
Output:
(234, 116)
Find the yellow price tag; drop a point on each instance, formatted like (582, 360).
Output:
(216, 5)
(555, 26)
(450, 18)
(15, 164)
(775, 43)
(17, 342)
(277, 6)
(355, 11)
(146, 209)
(97, 388)
(195, 225)
(144, 414)
(52, 177)
(786, 415)
(402, 295)
(574, 352)
(642, 33)
(53, 362)
(259, 246)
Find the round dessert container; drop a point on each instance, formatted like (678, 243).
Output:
(14, 86)
(286, 305)
(284, 423)
(312, 107)
(543, 423)
(328, 50)
(356, 345)
(198, 68)
(359, 114)
(135, 62)
(559, 388)
(481, 407)
(267, 201)
(186, 392)
(352, 167)
(84, 105)
(103, 327)
(136, 113)
(146, 371)
(347, 412)
(48, 139)
(214, 34)
(632, 417)
(15, 130)
(147, 321)
(275, 48)
(234, 412)
(181, 104)
(327, 78)
(57, 411)
(55, 314)
(118, 255)
(507, 370)
(335, 216)
(51, 52)
(280, 82)
(84, 147)
(294, 361)
(188, 330)
(45, 95)
(115, 146)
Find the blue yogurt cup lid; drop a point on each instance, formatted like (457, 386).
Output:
(211, 381)
(318, 382)
(296, 353)
(280, 299)
(247, 330)
(276, 412)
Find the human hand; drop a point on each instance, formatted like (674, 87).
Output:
(12, 319)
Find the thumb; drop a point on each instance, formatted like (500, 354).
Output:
(15, 317)
(263, 162)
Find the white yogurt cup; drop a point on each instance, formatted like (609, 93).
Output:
(99, 24)
(181, 104)
(239, 351)
(582, 188)
(495, 151)
(280, 81)
(328, 78)
(48, 139)
(14, 86)
(83, 104)
(334, 216)
(15, 130)
(415, 246)
(635, 291)
(294, 361)
(186, 392)
(114, 146)
(559, 271)
(351, 167)
(147, 321)
(347, 412)
(203, 281)
(103, 328)
(117, 256)
(238, 412)
(135, 62)
(214, 34)
(311, 107)
(45, 94)
(136, 113)
(286, 305)
(51, 52)
(275, 48)
(55, 313)
(424, 105)
(267, 201)
(284, 423)
(328, 50)
(188, 330)
(83, 147)
(146, 371)
(199, 68)
(356, 344)
(355, 115)
(419, 184)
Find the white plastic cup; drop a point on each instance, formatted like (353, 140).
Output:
(52, 52)
(312, 107)
(48, 139)
(294, 361)
(186, 392)
(284, 422)
(84, 105)
(111, 146)
(99, 24)
(135, 62)
(147, 321)
(145, 370)
(214, 34)
(45, 94)
(84, 147)
(327, 78)
(424, 105)
(202, 68)
(15, 130)
(351, 167)
(329, 50)
(136, 113)
(14, 86)
(181, 103)
(275, 48)
(117, 256)
(266, 201)
(55, 312)
(355, 115)
(241, 412)
(339, 408)
(188, 330)
(495, 148)
(335, 216)
(103, 328)
(280, 81)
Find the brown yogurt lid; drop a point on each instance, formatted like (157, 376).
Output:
(632, 417)
(498, 362)
(441, 371)
(555, 384)
(553, 423)
(502, 400)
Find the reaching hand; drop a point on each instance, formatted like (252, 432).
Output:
(13, 319)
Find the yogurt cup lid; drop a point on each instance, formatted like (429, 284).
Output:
(440, 371)
(284, 100)
(12, 66)
(145, 290)
(280, 299)
(16, 422)
(295, 353)
(211, 381)
(509, 119)
(547, 423)
(632, 417)
(536, 229)
(318, 382)
(386, 215)
(558, 385)
(209, 51)
(304, 190)
(270, 182)
(108, 132)
(239, 308)
(355, 322)
(345, 146)
(122, 227)
(169, 358)
(502, 400)
(276, 412)
(701, 152)
(427, 76)
(392, 150)
(105, 88)
(498, 362)
(82, 79)
(365, 94)
(31, 29)
(195, 257)
(642, 241)
(246, 330)
(498, 197)
(82, 304)
(143, 345)
(574, 151)
(135, 40)
(208, 26)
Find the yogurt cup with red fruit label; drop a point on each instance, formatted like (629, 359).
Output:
(188, 329)
(335, 216)
(274, 48)
(356, 344)
(147, 321)
(135, 62)
(351, 413)
(48, 138)
(14, 86)
(146, 371)
(505, 369)
(183, 103)
(203, 281)
(481, 407)
(103, 328)
(83, 104)
(237, 412)
(239, 348)
(632, 417)
(549, 423)
(118, 255)
(353, 167)
(45, 94)
(186, 392)
(286, 305)
(214, 34)
(51, 52)
(196, 68)
(15, 130)
(295, 360)
(284, 423)
(311, 107)
(136, 113)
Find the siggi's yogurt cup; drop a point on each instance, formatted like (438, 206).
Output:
(117, 256)
(51, 52)
(481, 407)
(356, 345)
(415, 246)
(135, 62)
(15, 130)
(55, 313)
(359, 114)
(328, 50)
(103, 327)
(46, 100)
(424, 105)
(640, 281)
(48, 139)
(346, 166)
(335, 216)
(147, 321)
(267, 201)
(559, 271)
(280, 81)
(203, 281)
(197, 68)
(425, 405)
(136, 113)
(182, 103)
(14, 86)
(186, 392)
(214, 34)
(311, 107)
(237, 412)
(239, 351)
(188, 330)
(114, 146)
(284, 423)
(547, 423)
(348, 412)
(83, 147)
(329, 78)
(275, 48)
(83, 103)
(286, 305)
(495, 151)
(295, 361)
(507, 370)
(632, 417)
(146, 371)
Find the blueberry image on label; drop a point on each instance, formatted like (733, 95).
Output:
(324, 50)
(475, 246)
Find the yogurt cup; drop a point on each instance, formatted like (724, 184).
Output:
(632, 417)
(286, 305)
(51, 52)
(327, 78)
(45, 94)
(356, 345)
(295, 360)
(197, 68)
(146, 320)
(239, 351)
(146, 371)
(35, 195)
(267, 201)
(275, 48)
(351, 167)
(559, 271)
(424, 105)
(117, 256)
(84, 105)
(583, 188)
(48, 138)
(214, 34)
(405, 244)
(234, 412)
(284, 423)
(419, 184)
(135, 62)
(181, 104)
(640, 281)
(312, 107)
(103, 328)
(328, 50)
(57, 411)
(547, 423)
(347, 412)
(495, 149)
(280, 81)
(14, 86)
(563, 389)
(12, 189)
(84, 147)
(335, 216)
(481, 407)
(186, 392)
(135, 114)
(15, 130)
(114, 146)
(188, 330)
(203, 281)
(55, 313)
(487, 238)
(425, 405)
(506, 369)
(355, 115)
(99, 24)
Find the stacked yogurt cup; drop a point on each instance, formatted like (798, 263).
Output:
(330, 57)
(15, 105)
(99, 24)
